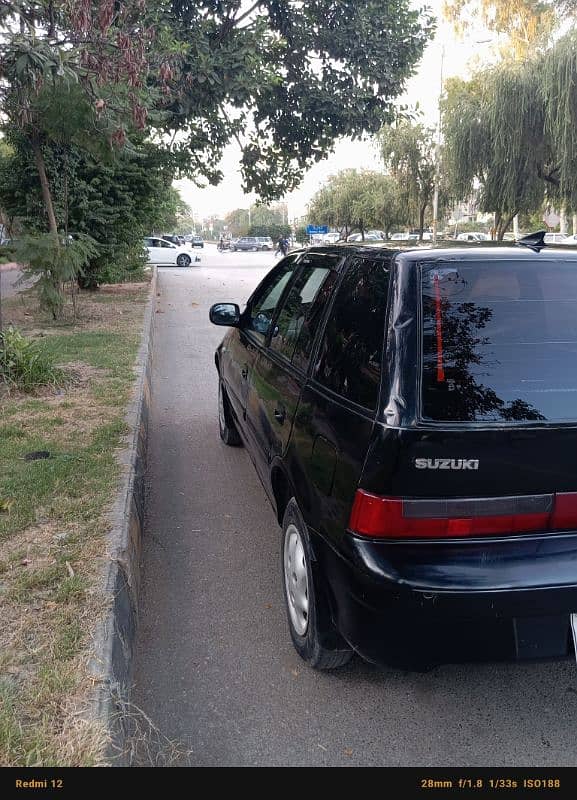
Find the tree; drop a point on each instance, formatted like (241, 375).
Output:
(87, 195)
(527, 24)
(356, 200)
(167, 210)
(408, 151)
(512, 130)
(286, 79)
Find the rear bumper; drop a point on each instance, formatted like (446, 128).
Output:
(415, 604)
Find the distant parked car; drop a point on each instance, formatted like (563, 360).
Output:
(161, 251)
(196, 241)
(332, 237)
(370, 236)
(172, 237)
(265, 242)
(249, 243)
(555, 238)
(473, 236)
(404, 237)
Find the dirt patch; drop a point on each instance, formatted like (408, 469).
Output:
(112, 306)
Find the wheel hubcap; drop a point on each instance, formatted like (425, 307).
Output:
(296, 580)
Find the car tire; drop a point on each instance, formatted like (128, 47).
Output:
(183, 260)
(310, 624)
(226, 426)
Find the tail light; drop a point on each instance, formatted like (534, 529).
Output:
(395, 518)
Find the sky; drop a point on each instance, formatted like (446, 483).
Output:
(457, 57)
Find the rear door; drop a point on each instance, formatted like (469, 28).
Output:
(277, 382)
(336, 412)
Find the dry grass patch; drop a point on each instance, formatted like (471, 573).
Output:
(53, 529)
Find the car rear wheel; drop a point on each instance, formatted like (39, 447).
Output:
(314, 636)
(226, 426)
(183, 260)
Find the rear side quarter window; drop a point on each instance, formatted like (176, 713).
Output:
(349, 360)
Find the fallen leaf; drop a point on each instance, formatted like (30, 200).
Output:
(295, 672)
(348, 751)
(25, 562)
(6, 505)
(69, 568)
(194, 305)
(268, 605)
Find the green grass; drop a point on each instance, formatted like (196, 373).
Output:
(52, 531)
(111, 351)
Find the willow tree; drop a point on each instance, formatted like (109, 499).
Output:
(511, 133)
(408, 151)
(558, 93)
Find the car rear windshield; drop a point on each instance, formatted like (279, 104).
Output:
(499, 341)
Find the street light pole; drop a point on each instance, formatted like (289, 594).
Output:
(438, 153)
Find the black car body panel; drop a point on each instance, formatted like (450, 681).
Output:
(414, 600)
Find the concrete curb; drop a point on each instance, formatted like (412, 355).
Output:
(111, 661)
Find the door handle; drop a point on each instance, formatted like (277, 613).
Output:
(280, 414)
(244, 372)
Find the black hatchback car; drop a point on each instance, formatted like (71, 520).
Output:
(413, 418)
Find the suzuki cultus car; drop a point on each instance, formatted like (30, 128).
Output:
(413, 418)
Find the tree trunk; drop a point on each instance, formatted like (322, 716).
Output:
(502, 223)
(46, 194)
(422, 221)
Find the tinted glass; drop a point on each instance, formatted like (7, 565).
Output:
(499, 341)
(295, 310)
(263, 304)
(350, 355)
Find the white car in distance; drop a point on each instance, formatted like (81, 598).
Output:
(162, 252)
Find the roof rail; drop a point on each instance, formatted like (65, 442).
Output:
(535, 241)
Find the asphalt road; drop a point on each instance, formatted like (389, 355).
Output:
(215, 669)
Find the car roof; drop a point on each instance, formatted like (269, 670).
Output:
(448, 251)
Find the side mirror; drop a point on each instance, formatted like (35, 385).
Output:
(225, 314)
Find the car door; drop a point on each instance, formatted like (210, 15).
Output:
(168, 252)
(336, 411)
(277, 382)
(155, 251)
(241, 347)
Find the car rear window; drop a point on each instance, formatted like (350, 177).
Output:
(499, 341)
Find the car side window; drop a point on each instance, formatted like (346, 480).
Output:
(167, 244)
(350, 353)
(260, 311)
(289, 322)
